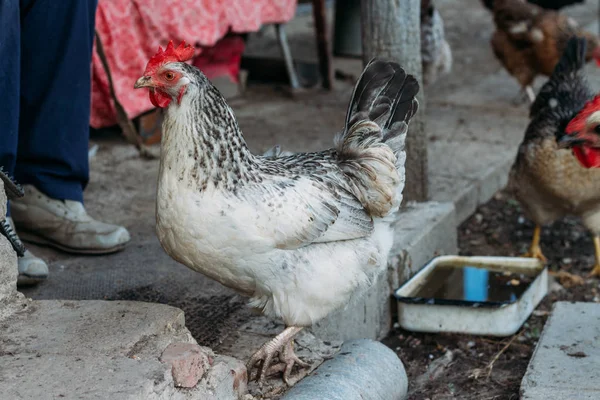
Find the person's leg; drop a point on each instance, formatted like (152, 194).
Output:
(56, 52)
(10, 61)
(31, 268)
(52, 153)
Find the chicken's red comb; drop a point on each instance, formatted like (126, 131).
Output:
(180, 54)
(577, 124)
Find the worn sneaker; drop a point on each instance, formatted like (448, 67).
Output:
(64, 224)
(32, 269)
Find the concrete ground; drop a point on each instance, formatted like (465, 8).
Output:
(61, 349)
(473, 132)
(566, 362)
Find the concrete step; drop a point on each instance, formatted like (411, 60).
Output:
(103, 350)
(474, 135)
(470, 153)
(566, 361)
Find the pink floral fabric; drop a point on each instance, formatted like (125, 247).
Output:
(132, 30)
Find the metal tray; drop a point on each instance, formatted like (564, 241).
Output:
(473, 317)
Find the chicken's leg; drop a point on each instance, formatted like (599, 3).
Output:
(596, 270)
(534, 250)
(283, 345)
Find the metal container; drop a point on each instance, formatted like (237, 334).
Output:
(475, 313)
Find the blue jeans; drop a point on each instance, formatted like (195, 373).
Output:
(45, 83)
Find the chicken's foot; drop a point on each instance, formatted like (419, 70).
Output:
(535, 250)
(596, 270)
(282, 344)
(286, 363)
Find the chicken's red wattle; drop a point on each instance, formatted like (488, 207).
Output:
(588, 157)
(159, 99)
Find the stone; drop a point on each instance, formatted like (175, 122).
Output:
(8, 268)
(227, 379)
(362, 370)
(188, 362)
(2, 199)
(8, 273)
(106, 350)
(566, 360)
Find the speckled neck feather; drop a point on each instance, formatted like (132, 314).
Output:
(208, 135)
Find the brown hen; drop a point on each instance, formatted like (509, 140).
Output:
(547, 180)
(529, 40)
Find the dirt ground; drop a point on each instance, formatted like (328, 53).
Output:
(450, 366)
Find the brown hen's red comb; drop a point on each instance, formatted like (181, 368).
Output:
(577, 124)
(171, 54)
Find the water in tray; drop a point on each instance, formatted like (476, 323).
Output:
(474, 285)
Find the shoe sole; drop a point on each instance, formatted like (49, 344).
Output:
(33, 238)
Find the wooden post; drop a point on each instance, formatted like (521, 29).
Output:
(323, 47)
(391, 30)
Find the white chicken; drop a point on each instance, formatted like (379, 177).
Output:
(297, 234)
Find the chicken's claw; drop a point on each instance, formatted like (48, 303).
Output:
(264, 354)
(287, 360)
(290, 359)
(595, 271)
(536, 252)
(283, 345)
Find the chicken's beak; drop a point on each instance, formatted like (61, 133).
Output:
(144, 81)
(568, 141)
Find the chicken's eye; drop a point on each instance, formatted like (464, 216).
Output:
(597, 129)
(169, 76)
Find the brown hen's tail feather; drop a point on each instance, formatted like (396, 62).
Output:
(573, 57)
(371, 147)
(566, 81)
(593, 41)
